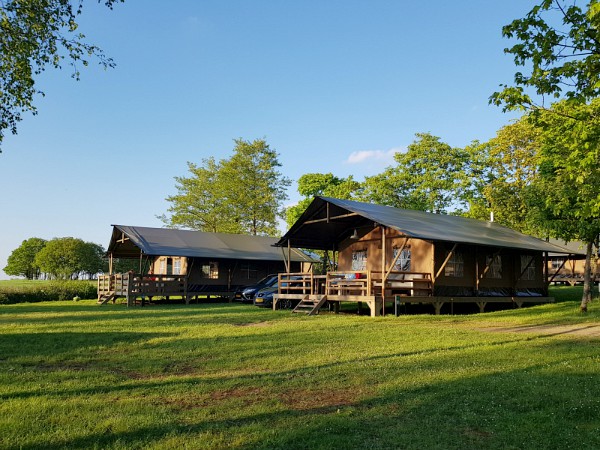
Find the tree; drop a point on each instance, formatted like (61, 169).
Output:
(567, 193)
(21, 261)
(68, 257)
(243, 194)
(256, 189)
(501, 171)
(429, 176)
(35, 34)
(559, 42)
(92, 259)
(201, 202)
(311, 185)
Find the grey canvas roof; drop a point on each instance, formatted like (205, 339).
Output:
(313, 230)
(171, 242)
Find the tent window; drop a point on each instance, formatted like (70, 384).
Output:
(210, 270)
(177, 266)
(494, 262)
(403, 261)
(249, 271)
(455, 267)
(359, 260)
(530, 272)
(162, 266)
(556, 263)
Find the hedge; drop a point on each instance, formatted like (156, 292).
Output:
(47, 291)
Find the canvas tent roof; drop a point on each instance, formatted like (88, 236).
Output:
(127, 241)
(328, 221)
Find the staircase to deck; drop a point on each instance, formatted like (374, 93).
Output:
(310, 304)
(106, 297)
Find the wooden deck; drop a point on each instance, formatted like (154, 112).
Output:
(133, 286)
(372, 288)
(376, 289)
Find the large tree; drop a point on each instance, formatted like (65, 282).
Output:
(35, 34)
(21, 261)
(558, 45)
(243, 194)
(429, 176)
(567, 196)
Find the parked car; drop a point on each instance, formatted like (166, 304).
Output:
(247, 293)
(264, 297)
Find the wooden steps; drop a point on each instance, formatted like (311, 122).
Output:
(310, 305)
(105, 298)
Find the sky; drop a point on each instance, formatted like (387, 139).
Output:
(332, 85)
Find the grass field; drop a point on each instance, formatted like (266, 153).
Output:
(75, 375)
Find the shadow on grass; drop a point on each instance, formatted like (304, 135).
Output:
(45, 345)
(539, 405)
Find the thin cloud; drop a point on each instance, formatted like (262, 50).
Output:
(379, 157)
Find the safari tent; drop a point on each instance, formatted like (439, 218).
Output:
(192, 263)
(382, 254)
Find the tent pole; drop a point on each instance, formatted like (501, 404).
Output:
(110, 264)
(289, 258)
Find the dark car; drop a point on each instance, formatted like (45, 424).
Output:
(247, 293)
(264, 297)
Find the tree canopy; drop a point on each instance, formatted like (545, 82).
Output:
(35, 34)
(429, 176)
(21, 262)
(68, 257)
(501, 172)
(243, 194)
(558, 43)
(311, 185)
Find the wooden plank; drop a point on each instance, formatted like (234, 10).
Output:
(328, 218)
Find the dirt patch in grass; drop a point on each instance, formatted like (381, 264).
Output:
(306, 399)
(583, 330)
(248, 396)
(264, 323)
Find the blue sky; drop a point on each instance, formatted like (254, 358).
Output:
(333, 86)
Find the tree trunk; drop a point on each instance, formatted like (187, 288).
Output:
(587, 278)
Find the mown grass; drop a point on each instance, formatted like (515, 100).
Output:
(75, 375)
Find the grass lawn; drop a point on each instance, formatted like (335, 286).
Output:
(76, 375)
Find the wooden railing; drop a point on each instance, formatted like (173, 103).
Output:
(117, 283)
(296, 283)
(124, 284)
(350, 283)
(159, 285)
(354, 283)
(400, 282)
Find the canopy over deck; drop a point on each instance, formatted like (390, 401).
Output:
(328, 221)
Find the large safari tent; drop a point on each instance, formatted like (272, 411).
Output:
(191, 263)
(382, 254)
